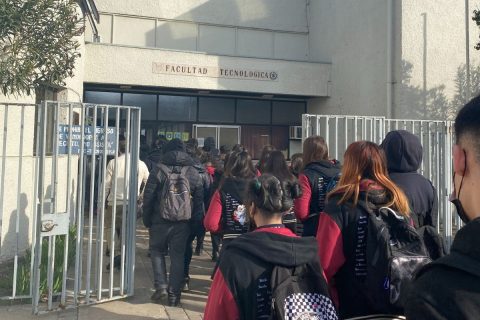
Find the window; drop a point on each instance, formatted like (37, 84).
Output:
(103, 97)
(216, 110)
(253, 111)
(177, 108)
(147, 102)
(288, 112)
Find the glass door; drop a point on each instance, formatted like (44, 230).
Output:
(223, 135)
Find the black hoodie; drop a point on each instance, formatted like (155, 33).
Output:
(404, 156)
(449, 288)
(155, 188)
(247, 262)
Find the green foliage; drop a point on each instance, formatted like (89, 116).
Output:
(37, 43)
(24, 276)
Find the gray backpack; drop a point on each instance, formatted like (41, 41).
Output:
(176, 202)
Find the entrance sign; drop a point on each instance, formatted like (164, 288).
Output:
(76, 131)
(214, 72)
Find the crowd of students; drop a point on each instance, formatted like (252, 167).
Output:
(363, 233)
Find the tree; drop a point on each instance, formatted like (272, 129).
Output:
(476, 18)
(38, 46)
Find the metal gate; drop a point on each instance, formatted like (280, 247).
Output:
(54, 220)
(436, 138)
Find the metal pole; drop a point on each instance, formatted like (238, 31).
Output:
(467, 51)
(114, 207)
(128, 137)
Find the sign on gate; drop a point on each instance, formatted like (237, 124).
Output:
(88, 137)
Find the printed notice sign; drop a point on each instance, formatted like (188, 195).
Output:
(64, 132)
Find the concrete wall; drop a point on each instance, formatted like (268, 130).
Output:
(433, 49)
(133, 66)
(264, 29)
(352, 36)
(428, 50)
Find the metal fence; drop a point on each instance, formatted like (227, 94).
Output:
(436, 138)
(53, 219)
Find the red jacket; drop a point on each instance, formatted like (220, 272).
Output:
(221, 304)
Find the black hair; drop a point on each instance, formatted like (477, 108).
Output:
(238, 148)
(266, 151)
(122, 144)
(467, 123)
(239, 165)
(277, 166)
(272, 196)
(296, 164)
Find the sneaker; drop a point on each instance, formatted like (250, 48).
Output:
(173, 300)
(186, 285)
(159, 295)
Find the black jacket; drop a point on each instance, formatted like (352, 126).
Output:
(233, 194)
(153, 158)
(346, 265)
(404, 156)
(155, 188)
(247, 262)
(449, 288)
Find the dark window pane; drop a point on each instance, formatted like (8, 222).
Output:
(253, 111)
(148, 103)
(177, 108)
(287, 112)
(216, 110)
(102, 97)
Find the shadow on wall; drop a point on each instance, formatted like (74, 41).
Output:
(433, 104)
(17, 241)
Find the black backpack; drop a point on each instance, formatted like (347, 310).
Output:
(176, 203)
(300, 293)
(394, 253)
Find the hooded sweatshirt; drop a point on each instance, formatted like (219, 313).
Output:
(241, 286)
(227, 213)
(404, 156)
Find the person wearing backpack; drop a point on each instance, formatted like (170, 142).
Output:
(173, 197)
(269, 273)
(319, 175)
(227, 213)
(449, 288)
(404, 154)
(367, 244)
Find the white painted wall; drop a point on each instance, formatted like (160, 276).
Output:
(286, 15)
(247, 28)
(133, 66)
(352, 36)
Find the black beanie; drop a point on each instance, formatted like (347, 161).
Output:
(174, 145)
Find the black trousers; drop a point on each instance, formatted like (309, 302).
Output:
(216, 242)
(171, 237)
(196, 231)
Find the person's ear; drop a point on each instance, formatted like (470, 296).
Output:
(459, 160)
(251, 210)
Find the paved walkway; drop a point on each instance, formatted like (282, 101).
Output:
(139, 306)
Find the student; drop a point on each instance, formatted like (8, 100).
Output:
(449, 288)
(277, 166)
(316, 175)
(343, 227)
(227, 213)
(242, 287)
(404, 156)
(296, 164)
(169, 221)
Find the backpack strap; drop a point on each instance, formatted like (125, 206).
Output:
(184, 170)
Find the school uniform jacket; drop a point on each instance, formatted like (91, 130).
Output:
(227, 213)
(241, 286)
(341, 238)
